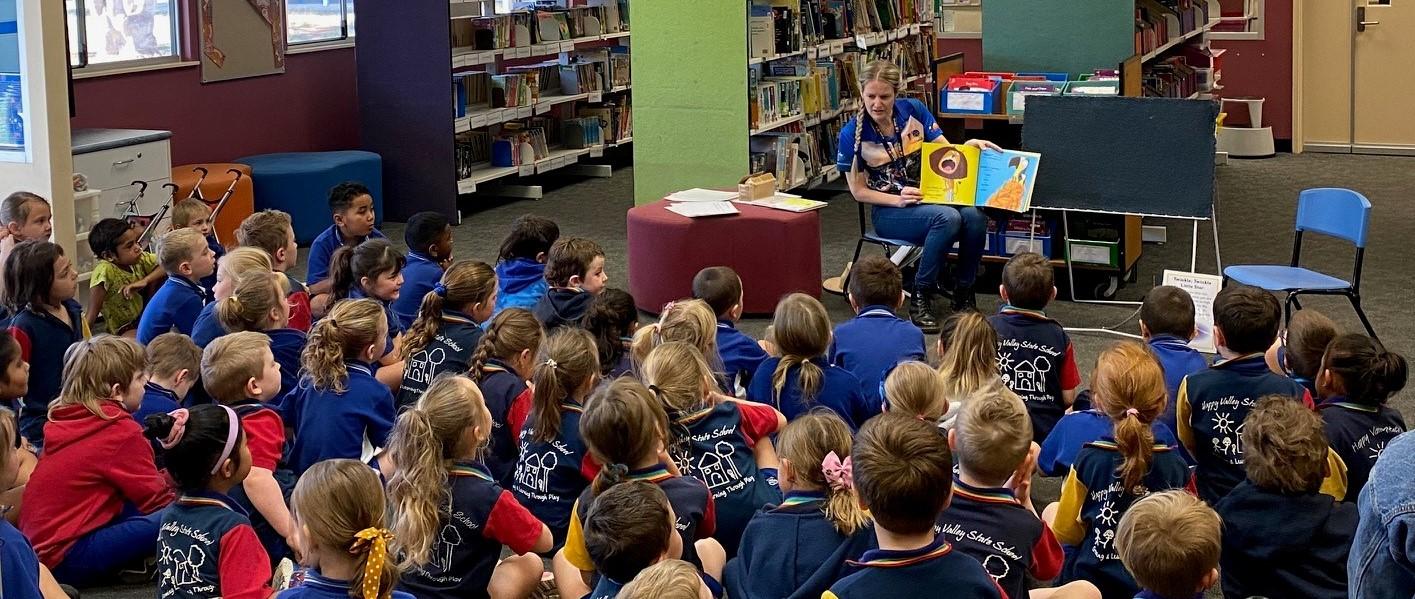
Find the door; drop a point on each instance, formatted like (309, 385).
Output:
(1382, 54)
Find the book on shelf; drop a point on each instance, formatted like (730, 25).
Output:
(966, 176)
(619, 68)
(582, 132)
(473, 148)
(583, 77)
(615, 119)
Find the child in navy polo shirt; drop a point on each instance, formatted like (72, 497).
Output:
(1075, 430)
(352, 206)
(1169, 541)
(801, 378)
(613, 319)
(228, 271)
(720, 440)
(271, 230)
(1281, 536)
(186, 258)
(991, 517)
(741, 355)
(903, 474)
(1112, 473)
(1167, 324)
(1357, 377)
(448, 327)
(625, 426)
(174, 364)
(627, 529)
(1034, 354)
(574, 268)
(967, 358)
(192, 213)
(40, 282)
(1297, 353)
(875, 339)
(502, 365)
(258, 305)
(1212, 404)
(340, 512)
(554, 465)
(206, 546)
(374, 270)
(429, 240)
(239, 371)
(14, 381)
(436, 448)
(340, 410)
(520, 264)
(799, 548)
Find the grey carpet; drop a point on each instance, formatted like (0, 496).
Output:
(1257, 204)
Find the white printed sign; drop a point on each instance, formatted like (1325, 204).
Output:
(1203, 289)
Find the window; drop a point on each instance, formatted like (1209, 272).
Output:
(1240, 20)
(104, 32)
(314, 21)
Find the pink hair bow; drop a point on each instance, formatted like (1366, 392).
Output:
(179, 426)
(837, 472)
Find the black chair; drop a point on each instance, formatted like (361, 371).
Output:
(899, 251)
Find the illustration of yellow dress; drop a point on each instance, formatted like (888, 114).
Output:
(1009, 195)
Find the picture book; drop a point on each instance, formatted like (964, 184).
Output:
(967, 176)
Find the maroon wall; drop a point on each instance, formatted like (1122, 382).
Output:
(1264, 68)
(312, 106)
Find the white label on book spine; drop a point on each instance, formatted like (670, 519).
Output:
(958, 101)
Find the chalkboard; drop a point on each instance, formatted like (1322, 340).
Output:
(1150, 156)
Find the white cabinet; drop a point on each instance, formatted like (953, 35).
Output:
(112, 160)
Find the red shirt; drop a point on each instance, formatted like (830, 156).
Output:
(265, 436)
(90, 467)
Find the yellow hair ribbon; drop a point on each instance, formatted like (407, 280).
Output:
(373, 541)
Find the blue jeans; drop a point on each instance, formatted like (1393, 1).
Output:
(936, 227)
(98, 555)
(1382, 559)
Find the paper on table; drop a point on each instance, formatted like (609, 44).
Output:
(697, 209)
(702, 195)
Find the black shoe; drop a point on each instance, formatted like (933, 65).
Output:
(964, 299)
(921, 311)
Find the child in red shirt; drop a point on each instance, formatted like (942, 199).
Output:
(88, 514)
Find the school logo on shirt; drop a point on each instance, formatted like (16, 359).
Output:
(716, 469)
(1001, 554)
(423, 366)
(1226, 424)
(533, 472)
(714, 465)
(1108, 517)
(1027, 377)
(1374, 441)
(181, 568)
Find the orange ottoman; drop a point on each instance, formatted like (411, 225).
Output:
(218, 180)
(775, 252)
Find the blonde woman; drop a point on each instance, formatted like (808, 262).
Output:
(880, 152)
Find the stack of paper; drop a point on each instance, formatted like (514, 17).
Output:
(695, 209)
(702, 195)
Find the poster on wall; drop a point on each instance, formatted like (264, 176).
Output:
(241, 38)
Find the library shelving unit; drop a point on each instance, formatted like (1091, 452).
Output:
(726, 87)
(461, 95)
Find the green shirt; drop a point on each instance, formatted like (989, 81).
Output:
(121, 312)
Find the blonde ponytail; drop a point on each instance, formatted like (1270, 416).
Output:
(805, 443)
(350, 326)
(257, 293)
(801, 328)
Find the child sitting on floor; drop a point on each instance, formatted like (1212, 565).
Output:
(1035, 356)
(520, 265)
(352, 206)
(429, 240)
(876, 339)
(801, 378)
(721, 288)
(1297, 353)
(1357, 379)
(1169, 541)
(122, 278)
(176, 305)
(192, 213)
(575, 270)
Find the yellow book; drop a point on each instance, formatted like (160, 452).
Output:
(949, 174)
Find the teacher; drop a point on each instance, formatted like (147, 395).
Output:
(880, 154)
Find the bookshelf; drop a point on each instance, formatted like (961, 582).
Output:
(459, 96)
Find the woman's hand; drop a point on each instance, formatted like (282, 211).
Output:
(983, 144)
(909, 196)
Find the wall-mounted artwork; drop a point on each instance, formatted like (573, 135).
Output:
(241, 38)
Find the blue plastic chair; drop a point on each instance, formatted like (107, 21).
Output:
(888, 245)
(1334, 212)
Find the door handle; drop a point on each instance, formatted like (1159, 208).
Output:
(1361, 22)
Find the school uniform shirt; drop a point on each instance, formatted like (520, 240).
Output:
(78, 486)
(1210, 411)
(43, 341)
(562, 306)
(606, 588)
(419, 275)
(740, 354)
(793, 551)
(889, 160)
(207, 328)
(1076, 429)
(175, 306)
(1037, 362)
(1177, 360)
(207, 548)
(395, 327)
(121, 312)
(520, 283)
(551, 474)
(449, 350)
(265, 432)
(483, 518)
(323, 249)
(692, 507)
(714, 445)
(317, 586)
(19, 567)
(839, 390)
(299, 297)
(286, 345)
(1280, 545)
(208, 282)
(1093, 500)
(887, 574)
(872, 343)
(1007, 538)
(500, 387)
(156, 399)
(331, 425)
(1359, 433)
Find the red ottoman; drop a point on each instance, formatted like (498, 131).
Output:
(774, 251)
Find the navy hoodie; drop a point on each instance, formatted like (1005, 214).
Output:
(562, 306)
(1277, 545)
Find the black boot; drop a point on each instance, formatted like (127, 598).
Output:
(964, 299)
(921, 311)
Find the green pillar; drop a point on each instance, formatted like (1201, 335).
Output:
(689, 65)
